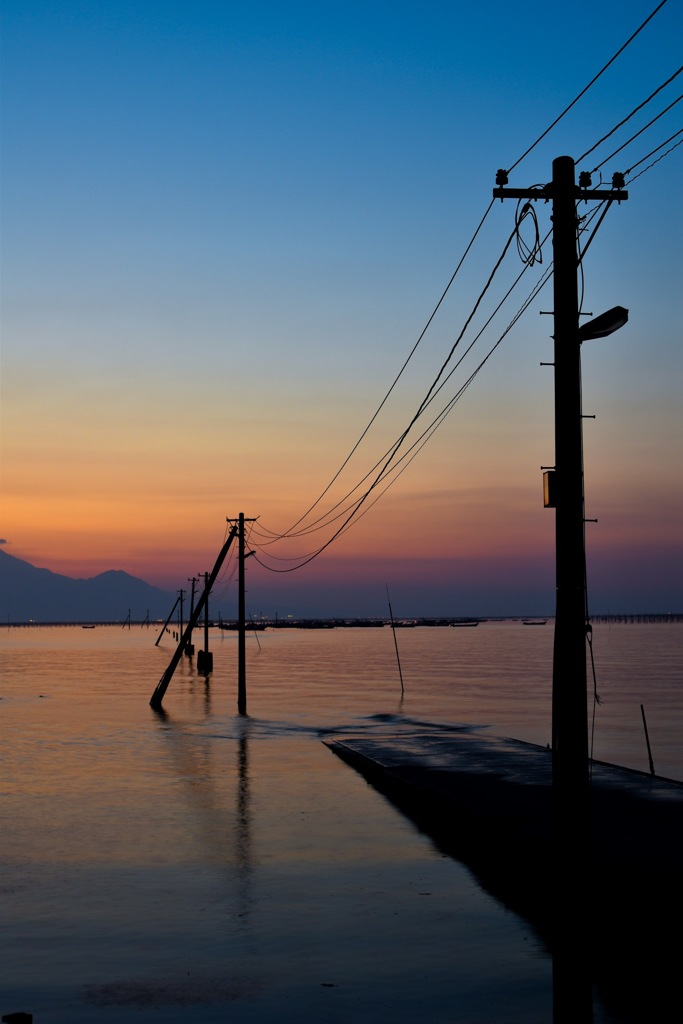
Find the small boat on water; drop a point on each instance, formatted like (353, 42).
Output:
(249, 626)
(534, 622)
(469, 622)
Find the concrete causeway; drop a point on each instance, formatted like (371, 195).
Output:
(487, 801)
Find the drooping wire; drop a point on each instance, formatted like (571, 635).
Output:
(587, 87)
(419, 443)
(628, 117)
(428, 433)
(289, 532)
(391, 454)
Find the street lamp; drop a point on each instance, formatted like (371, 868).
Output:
(606, 323)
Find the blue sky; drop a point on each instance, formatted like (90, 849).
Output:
(224, 228)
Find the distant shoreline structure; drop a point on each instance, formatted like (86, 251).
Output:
(349, 622)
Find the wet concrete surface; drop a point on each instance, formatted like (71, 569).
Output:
(488, 802)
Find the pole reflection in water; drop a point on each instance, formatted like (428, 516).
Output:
(226, 834)
(243, 820)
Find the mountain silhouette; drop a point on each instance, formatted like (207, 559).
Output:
(29, 594)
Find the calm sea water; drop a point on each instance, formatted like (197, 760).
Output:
(199, 865)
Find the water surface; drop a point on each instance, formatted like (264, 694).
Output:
(199, 865)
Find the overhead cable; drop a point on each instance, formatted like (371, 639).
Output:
(629, 116)
(396, 379)
(587, 87)
(643, 129)
(390, 455)
(651, 153)
(389, 468)
(420, 442)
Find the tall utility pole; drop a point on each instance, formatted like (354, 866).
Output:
(570, 766)
(241, 615)
(569, 710)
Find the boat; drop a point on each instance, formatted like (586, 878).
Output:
(249, 626)
(534, 622)
(470, 622)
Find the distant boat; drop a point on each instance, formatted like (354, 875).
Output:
(88, 627)
(249, 626)
(471, 622)
(534, 622)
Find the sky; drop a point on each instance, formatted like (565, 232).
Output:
(224, 229)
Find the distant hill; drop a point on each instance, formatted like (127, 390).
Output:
(38, 595)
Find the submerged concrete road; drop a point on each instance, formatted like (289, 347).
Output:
(488, 802)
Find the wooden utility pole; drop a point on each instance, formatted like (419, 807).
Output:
(241, 614)
(569, 711)
(572, 1002)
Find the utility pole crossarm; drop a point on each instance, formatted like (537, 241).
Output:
(546, 193)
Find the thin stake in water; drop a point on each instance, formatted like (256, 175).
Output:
(393, 630)
(647, 740)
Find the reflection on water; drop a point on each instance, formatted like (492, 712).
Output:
(152, 862)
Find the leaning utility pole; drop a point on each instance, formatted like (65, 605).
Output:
(570, 764)
(162, 685)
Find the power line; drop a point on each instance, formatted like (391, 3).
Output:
(645, 169)
(393, 450)
(390, 470)
(587, 87)
(291, 530)
(421, 441)
(640, 132)
(629, 116)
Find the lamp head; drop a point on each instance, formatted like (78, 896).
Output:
(606, 323)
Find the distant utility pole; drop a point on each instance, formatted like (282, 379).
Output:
(180, 614)
(241, 614)
(572, 1001)
(189, 646)
(205, 657)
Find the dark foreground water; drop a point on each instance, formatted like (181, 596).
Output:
(200, 866)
